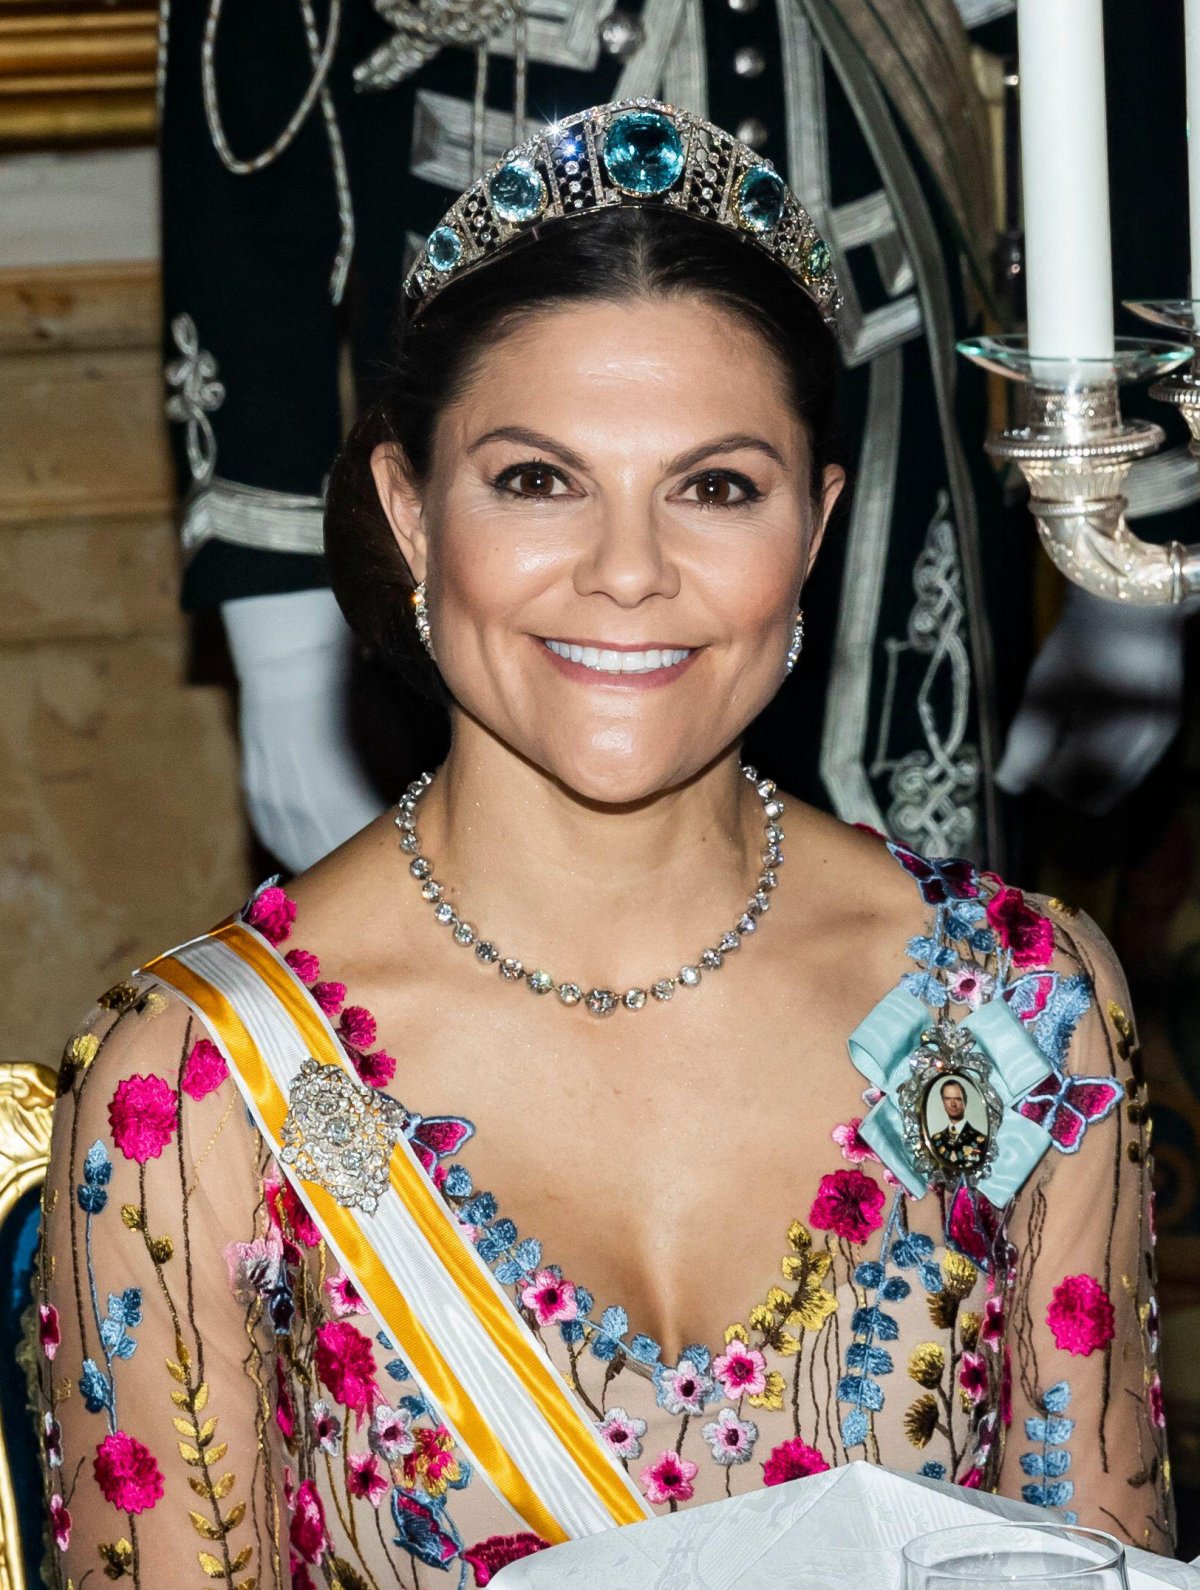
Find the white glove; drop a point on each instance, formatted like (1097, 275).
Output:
(305, 788)
(1102, 703)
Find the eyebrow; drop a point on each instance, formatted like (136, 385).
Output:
(738, 441)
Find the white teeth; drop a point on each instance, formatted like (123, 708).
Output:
(618, 662)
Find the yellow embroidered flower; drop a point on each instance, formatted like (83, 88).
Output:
(968, 1327)
(762, 1319)
(959, 1275)
(799, 1237)
(812, 1307)
(118, 1557)
(119, 998)
(82, 1049)
(771, 1396)
(927, 1364)
(921, 1420)
(432, 1466)
(735, 1333)
(943, 1309)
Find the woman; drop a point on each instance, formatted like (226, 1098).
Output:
(614, 1266)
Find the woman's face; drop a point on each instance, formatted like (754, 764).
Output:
(614, 534)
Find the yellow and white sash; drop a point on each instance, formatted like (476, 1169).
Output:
(468, 1348)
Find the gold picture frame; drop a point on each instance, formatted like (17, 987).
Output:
(75, 73)
(26, 1114)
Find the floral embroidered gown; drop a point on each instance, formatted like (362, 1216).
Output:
(217, 1404)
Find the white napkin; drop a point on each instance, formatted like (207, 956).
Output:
(841, 1528)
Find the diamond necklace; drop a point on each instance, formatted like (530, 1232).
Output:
(599, 1001)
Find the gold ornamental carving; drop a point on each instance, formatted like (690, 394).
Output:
(76, 74)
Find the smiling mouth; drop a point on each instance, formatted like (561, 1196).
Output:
(608, 660)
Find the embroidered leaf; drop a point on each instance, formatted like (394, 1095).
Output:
(132, 1216)
(930, 1275)
(162, 1250)
(346, 1578)
(1035, 1430)
(216, 1453)
(94, 1387)
(184, 1426)
(1033, 1464)
(481, 1211)
(1057, 1463)
(645, 1349)
(118, 1558)
(871, 1360)
(213, 1568)
(204, 1526)
(242, 1558)
(854, 1428)
(176, 1371)
(397, 1369)
(201, 1396)
(1059, 1431)
(235, 1515)
(861, 1391)
(874, 1322)
(1058, 1398)
(188, 1453)
(933, 1471)
(894, 1289)
(458, 1182)
(614, 1321)
(925, 987)
(528, 1254)
(223, 1486)
(97, 1167)
(206, 1431)
(771, 1396)
(911, 1248)
(869, 1274)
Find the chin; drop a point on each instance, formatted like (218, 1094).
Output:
(618, 775)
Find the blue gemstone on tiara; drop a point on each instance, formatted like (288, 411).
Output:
(760, 199)
(817, 258)
(444, 249)
(643, 153)
(517, 192)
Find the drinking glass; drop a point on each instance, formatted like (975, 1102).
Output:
(1031, 1556)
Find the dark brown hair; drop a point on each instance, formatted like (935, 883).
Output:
(615, 255)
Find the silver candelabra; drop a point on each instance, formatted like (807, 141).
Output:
(1075, 452)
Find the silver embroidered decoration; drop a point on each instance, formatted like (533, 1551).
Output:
(340, 1134)
(423, 27)
(935, 790)
(198, 394)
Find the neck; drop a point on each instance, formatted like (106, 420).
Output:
(593, 893)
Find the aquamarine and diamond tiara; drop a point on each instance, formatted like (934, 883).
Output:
(630, 152)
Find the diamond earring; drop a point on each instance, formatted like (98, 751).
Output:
(797, 645)
(421, 618)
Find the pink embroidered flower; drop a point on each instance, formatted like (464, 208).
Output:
(741, 1370)
(289, 1486)
(364, 1480)
(357, 1027)
(1080, 1315)
(49, 1334)
(326, 1427)
(731, 1439)
(305, 965)
(623, 1432)
(849, 1204)
(127, 1474)
(287, 1214)
(390, 1435)
(142, 1115)
(254, 1267)
(1020, 929)
(973, 1377)
(550, 1299)
(432, 1466)
(669, 1479)
(847, 1138)
(299, 1577)
(60, 1522)
(204, 1071)
(330, 996)
(308, 1535)
(1154, 1403)
(969, 986)
(52, 1441)
(272, 913)
(285, 1408)
(972, 1480)
(376, 1069)
(497, 1551)
(343, 1296)
(792, 1460)
(991, 1329)
(346, 1364)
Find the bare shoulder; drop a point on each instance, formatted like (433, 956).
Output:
(352, 902)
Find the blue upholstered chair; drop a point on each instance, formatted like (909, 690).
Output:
(26, 1105)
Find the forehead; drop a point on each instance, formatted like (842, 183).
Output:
(680, 361)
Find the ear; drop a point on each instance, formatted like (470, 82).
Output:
(401, 502)
(833, 480)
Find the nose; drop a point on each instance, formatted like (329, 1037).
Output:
(626, 558)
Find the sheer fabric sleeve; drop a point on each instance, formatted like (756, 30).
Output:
(1087, 1430)
(159, 1441)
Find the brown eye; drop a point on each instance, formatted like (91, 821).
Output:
(533, 481)
(715, 490)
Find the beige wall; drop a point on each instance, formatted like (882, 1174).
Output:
(120, 823)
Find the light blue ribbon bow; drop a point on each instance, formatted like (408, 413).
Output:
(881, 1048)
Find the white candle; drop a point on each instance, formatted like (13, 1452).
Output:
(1191, 25)
(1064, 159)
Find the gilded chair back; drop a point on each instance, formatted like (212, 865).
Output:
(26, 1107)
